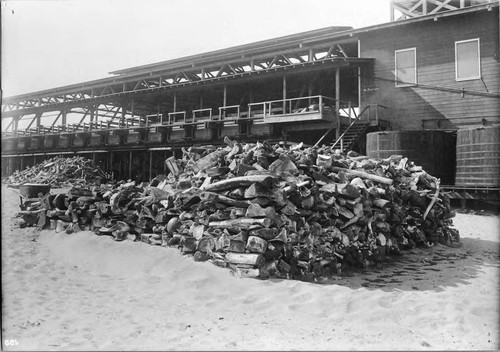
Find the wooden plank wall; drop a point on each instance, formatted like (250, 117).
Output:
(435, 44)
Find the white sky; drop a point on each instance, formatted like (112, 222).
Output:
(51, 43)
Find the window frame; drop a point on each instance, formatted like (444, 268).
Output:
(478, 59)
(396, 81)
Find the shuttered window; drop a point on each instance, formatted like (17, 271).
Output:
(406, 67)
(467, 60)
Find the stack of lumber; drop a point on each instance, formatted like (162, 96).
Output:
(59, 172)
(270, 210)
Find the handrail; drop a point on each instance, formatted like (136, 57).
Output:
(172, 117)
(149, 117)
(356, 119)
(256, 111)
(341, 137)
(223, 111)
(202, 117)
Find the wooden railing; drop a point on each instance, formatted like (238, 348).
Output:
(259, 112)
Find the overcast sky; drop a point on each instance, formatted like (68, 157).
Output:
(51, 43)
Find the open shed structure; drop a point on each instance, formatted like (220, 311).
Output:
(435, 66)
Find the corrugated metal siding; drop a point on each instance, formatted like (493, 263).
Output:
(435, 43)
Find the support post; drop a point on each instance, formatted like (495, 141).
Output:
(111, 166)
(64, 115)
(124, 111)
(310, 92)
(337, 101)
(175, 102)
(224, 98)
(38, 119)
(150, 165)
(130, 166)
(284, 93)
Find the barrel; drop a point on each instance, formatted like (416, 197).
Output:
(433, 150)
(478, 157)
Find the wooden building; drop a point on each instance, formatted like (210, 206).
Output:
(437, 70)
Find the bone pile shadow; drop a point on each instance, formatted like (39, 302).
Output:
(59, 172)
(263, 210)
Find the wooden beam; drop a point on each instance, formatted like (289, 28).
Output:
(342, 50)
(37, 116)
(224, 98)
(150, 165)
(337, 100)
(84, 116)
(440, 4)
(110, 167)
(57, 118)
(404, 11)
(284, 93)
(130, 165)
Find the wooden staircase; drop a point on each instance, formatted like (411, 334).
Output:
(351, 134)
(352, 130)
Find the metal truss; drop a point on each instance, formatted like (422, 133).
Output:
(112, 91)
(413, 8)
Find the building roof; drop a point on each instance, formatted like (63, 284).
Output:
(309, 39)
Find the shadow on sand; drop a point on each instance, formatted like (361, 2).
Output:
(431, 269)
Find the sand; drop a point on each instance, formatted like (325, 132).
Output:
(84, 292)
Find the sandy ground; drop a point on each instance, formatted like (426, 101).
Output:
(84, 292)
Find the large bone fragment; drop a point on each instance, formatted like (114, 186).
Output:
(365, 175)
(242, 181)
(243, 223)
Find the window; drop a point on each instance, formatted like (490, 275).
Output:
(467, 60)
(406, 67)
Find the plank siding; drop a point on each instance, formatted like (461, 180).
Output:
(437, 95)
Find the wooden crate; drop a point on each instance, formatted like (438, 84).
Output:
(261, 130)
(50, 142)
(133, 138)
(156, 137)
(23, 144)
(230, 131)
(177, 136)
(204, 134)
(96, 140)
(64, 142)
(114, 139)
(79, 141)
(35, 143)
(9, 144)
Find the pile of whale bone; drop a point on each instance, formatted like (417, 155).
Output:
(265, 210)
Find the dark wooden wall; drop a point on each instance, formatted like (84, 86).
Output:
(435, 44)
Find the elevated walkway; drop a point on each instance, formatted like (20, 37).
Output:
(196, 125)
